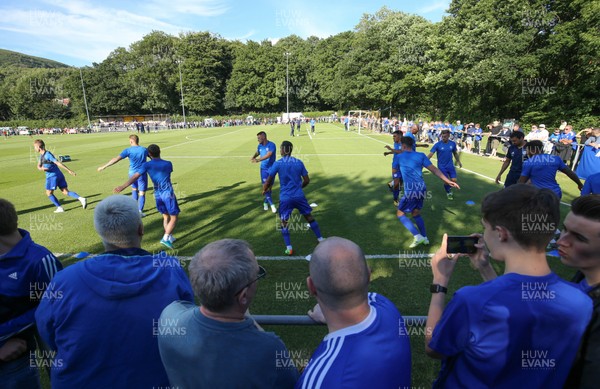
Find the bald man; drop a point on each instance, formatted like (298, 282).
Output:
(367, 344)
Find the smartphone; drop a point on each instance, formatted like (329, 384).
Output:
(461, 245)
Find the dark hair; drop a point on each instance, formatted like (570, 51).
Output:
(445, 132)
(8, 217)
(40, 143)
(529, 213)
(536, 146)
(397, 132)
(408, 141)
(517, 134)
(154, 151)
(587, 206)
(287, 147)
(262, 133)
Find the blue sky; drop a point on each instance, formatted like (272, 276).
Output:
(79, 32)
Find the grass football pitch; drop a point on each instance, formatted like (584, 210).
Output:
(219, 194)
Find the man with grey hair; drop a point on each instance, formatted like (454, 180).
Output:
(368, 344)
(200, 346)
(102, 320)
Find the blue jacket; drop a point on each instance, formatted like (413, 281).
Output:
(103, 324)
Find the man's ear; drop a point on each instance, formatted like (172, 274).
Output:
(311, 286)
(503, 233)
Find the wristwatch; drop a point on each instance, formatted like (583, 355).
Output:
(437, 288)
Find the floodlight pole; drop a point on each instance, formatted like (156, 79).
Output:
(85, 100)
(181, 88)
(287, 84)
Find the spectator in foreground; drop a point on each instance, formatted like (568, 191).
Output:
(200, 346)
(103, 324)
(26, 270)
(579, 247)
(367, 345)
(521, 329)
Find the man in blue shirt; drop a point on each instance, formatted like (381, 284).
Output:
(591, 185)
(367, 345)
(137, 157)
(521, 329)
(164, 195)
(567, 143)
(312, 125)
(516, 154)
(445, 149)
(202, 346)
(265, 155)
(396, 182)
(541, 169)
(26, 270)
(293, 176)
(103, 326)
(411, 163)
(54, 177)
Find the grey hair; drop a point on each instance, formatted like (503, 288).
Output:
(220, 270)
(117, 220)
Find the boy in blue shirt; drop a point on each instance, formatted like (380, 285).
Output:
(515, 156)
(265, 155)
(445, 149)
(521, 329)
(137, 157)
(54, 177)
(164, 195)
(293, 176)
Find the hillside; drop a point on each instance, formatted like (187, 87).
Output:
(12, 58)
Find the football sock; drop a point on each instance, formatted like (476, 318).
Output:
(134, 194)
(286, 236)
(73, 194)
(141, 202)
(54, 200)
(396, 194)
(408, 224)
(447, 188)
(268, 198)
(315, 227)
(420, 224)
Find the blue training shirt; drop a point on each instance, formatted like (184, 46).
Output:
(159, 171)
(291, 171)
(263, 150)
(137, 157)
(444, 153)
(374, 353)
(517, 155)
(516, 331)
(48, 161)
(411, 164)
(541, 170)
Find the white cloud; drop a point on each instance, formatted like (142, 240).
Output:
(435, 7)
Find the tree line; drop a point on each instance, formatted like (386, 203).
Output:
(531, 60)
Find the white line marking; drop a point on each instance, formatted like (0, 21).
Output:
(199, 140)
(284, 258)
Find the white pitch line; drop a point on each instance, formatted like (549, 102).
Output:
(280, 257)
(461, 169)
(245, 156)
(198, 140)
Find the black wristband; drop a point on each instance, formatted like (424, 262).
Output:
(437, 288)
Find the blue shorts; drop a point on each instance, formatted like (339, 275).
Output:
(141, 183)
(166, 203)
(286, 207)
(512, 178)
(411, 201)
(56, 181)
(449, 171)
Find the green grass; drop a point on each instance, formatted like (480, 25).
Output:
(220, 196)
